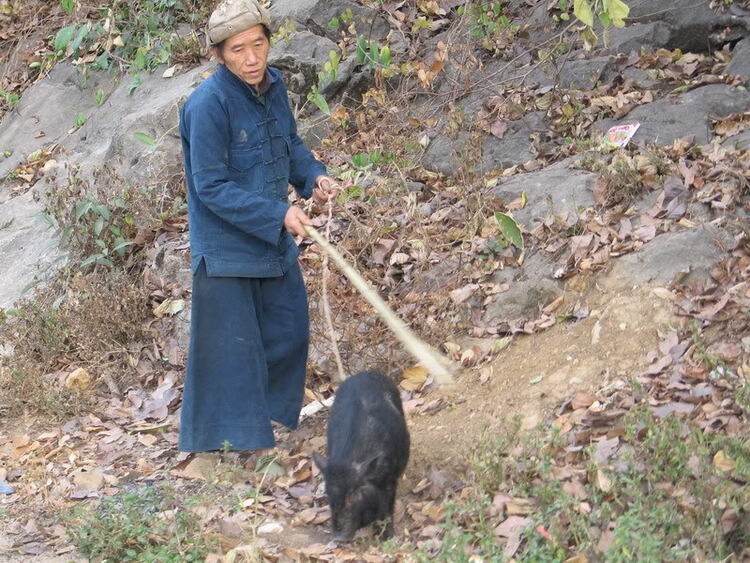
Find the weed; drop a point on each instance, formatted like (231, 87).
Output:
(90, 326)
(490, 25)
(665, 500)
(9, 99)
(147, 525)
(138, 35)
(80, 120)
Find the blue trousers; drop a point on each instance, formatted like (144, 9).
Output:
(246, 364)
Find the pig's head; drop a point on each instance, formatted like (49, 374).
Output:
(353, 498)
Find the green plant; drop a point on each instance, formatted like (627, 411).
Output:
(148, 525)
(371, 53)
(285, 32)
(10, 99)
(80, 120)
(609, 12)
(662, 494)
(371, 159)
(99, 97)
(68, 6)
(138, 35)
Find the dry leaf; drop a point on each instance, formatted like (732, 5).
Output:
(723, 462)
(413, 378)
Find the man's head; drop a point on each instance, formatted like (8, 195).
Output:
(238, 31)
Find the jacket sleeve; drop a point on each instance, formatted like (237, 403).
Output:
(206, 126)
(305, 168)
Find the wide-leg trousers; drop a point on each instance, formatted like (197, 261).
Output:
(246, 364)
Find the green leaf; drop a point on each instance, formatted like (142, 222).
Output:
(104, 261)
(617, 11)
(90, 260)
(48, 219)
(82, 207)
(99, 97)
(510, 230)
(140, 59)
(82, 33)
(137, 81)
(99, 226)
(68, 6)
(351, 192)
(63, 37)
(605, 19)
(101, 244)
(385, 56)
(582, 10)
(320, 102)
(122, 245)
(145, 139)
(362, 48)
(103, 211)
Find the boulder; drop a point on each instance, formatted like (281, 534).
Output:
(531, 288)
(316, 15)
(515, 145)
(634, 37)
(556, 189)
(29, 247)
(740, 63)
(684, 115)
(685, 256)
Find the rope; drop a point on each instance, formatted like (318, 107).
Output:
(437, 364)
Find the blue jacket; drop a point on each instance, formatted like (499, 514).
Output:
(241, 152)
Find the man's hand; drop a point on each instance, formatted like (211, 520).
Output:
(326, 188)
(295, 221)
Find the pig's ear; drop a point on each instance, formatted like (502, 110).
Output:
(364, 468)
(320, 461)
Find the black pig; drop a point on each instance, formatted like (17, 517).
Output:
(368, 447)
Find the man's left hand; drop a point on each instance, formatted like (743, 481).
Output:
(326, 188)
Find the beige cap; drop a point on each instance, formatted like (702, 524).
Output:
(233, 16)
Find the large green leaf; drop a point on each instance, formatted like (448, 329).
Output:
(144, 138)
(510, 230)
(582, 10)
(617, 11)
(64, 37)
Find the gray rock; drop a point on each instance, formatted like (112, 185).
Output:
(29, 247)
(412, 186)
(515, 145)
(301, 58)
(582, 74)
(738, 142)
(685, 115)
(49, 107)
(688, 255)
(531, 288)
(445, 155)
(316, 15)
(555, 189)
(740, 63)
(690, 23)
(634, 37)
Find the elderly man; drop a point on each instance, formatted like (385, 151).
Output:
(249, 327)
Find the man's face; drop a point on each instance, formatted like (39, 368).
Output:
(246, 54)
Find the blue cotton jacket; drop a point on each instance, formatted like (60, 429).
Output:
(241, 152)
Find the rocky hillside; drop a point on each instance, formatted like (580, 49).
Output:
(595, 296)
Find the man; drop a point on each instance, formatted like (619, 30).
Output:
(249, 327)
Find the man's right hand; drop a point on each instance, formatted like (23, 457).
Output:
(295, 221)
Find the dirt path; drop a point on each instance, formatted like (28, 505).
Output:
(610, 344)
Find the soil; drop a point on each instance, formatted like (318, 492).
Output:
(610, 344)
